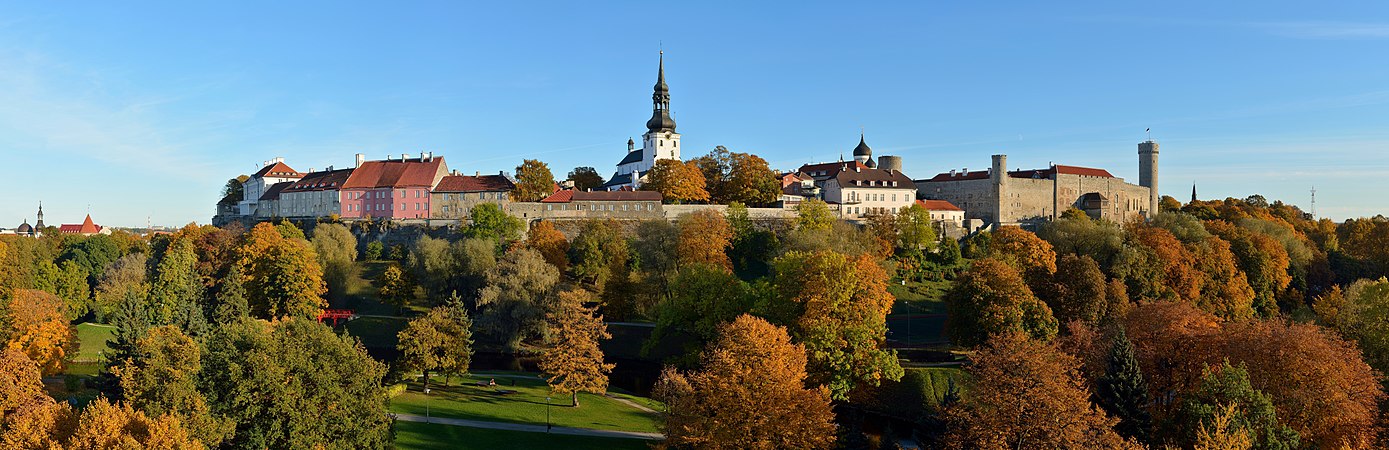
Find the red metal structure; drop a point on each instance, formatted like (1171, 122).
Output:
(335, 315)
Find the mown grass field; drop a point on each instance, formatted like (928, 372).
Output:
(92, 339)
(918, 316)
(429, 436)
(465, 400)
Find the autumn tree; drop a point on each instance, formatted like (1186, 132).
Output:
(749, 394)
(1360, 314)
(813, 214)
(750, 180)
(1028, 394)
(103, 425)
(394, 288)
(1101, 240)
(1180, 276)
(1123, 392)
(513, 304)
(992, 298)
(715, 167)
(544, 238)
(534, 181)
(33, 322)
(282, 276)
(752, 248)
(836, 306)
(1033, 257)
(678, 182)
(336, 248)
(585, 178)
(440, 341)
(293, 383)
(1227, 386)
(704, 239)
(162, 380)
(573, 361)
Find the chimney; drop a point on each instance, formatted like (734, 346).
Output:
(952, 173)
(404, 156)
(310, 170)
(477, 173)
(329, 169)
(422, 155)
(361, 158)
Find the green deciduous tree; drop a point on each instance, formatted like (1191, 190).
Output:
(813, 214)
(294, 384)
(336, 247)
(1227, 386)
(163, 379)
(440, 341)
(488, 221)
(513, 305)
(394, 288)
(585, 178)
(837, 307)
(991, 298)
(281, 276)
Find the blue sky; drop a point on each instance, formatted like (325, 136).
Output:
(143, 110)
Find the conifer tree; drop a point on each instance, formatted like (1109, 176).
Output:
(1123, 392)
(231, 301)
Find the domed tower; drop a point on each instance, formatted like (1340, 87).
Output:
(660, 141)
(863, 154)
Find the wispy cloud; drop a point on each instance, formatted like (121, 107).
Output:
(1327, 30)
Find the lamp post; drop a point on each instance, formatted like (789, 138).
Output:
(426, 403)
(547, 414)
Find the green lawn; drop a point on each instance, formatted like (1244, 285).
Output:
(918, 316)
(919, 298)
(92, 338)
(464, 400)
(412, 435)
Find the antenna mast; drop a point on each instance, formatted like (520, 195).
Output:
(1314, 202)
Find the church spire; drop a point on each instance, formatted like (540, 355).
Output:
(660, 101)
(39, 222)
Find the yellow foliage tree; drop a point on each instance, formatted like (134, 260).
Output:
(574, 362)
(534, 181)
(34, 323)
(749, 394)
(814, 215)
(678, 182)
(282, 275)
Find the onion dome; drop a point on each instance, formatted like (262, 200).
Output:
(660, 102)
(862, 149)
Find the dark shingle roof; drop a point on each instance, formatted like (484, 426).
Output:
(632, 156)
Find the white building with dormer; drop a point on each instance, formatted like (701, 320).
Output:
(660, 141)
(272, 172)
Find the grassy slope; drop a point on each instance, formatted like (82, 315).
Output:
(93, 338)
(410, 436)
(527, 406)
(926, 302)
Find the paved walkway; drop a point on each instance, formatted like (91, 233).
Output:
(529, 428)
(631, 403)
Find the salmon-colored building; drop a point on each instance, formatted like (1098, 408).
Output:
(393, 189)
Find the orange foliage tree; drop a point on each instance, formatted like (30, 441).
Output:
(544, 238)
(750, 394)
(1033, 256)
(574, 362)
(678, 182)
(1180, 275)
(282, 275)
(33, 322)
(1028, 394)
(704, 238)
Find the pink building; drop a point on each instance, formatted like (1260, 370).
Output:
(394, 189)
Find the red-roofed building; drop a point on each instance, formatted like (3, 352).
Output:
(456, 195)
(943, 211)
(569, 203)
(393, 188)
(1000, 196)
(271, 172)
(86, 228)
(317, 194)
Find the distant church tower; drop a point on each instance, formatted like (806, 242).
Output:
(660, 141)
(1148, 172)
(39, 224)
(862, 153)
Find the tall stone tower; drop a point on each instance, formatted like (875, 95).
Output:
(998, 176)
(660, 141)
(1148, 173)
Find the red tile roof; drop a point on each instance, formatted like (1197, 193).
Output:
(319, 181)
(1025, 173)
(570, 195)
(87, 227)
(484, 183)
(938, 205)
(395, 173)
(279, 169)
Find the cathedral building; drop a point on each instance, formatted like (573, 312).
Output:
(660, 141)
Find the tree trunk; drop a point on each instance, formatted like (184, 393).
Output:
(576, 399)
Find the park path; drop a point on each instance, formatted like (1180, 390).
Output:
(631, 403)
(529, 428)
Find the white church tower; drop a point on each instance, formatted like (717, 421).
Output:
(660, 141)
